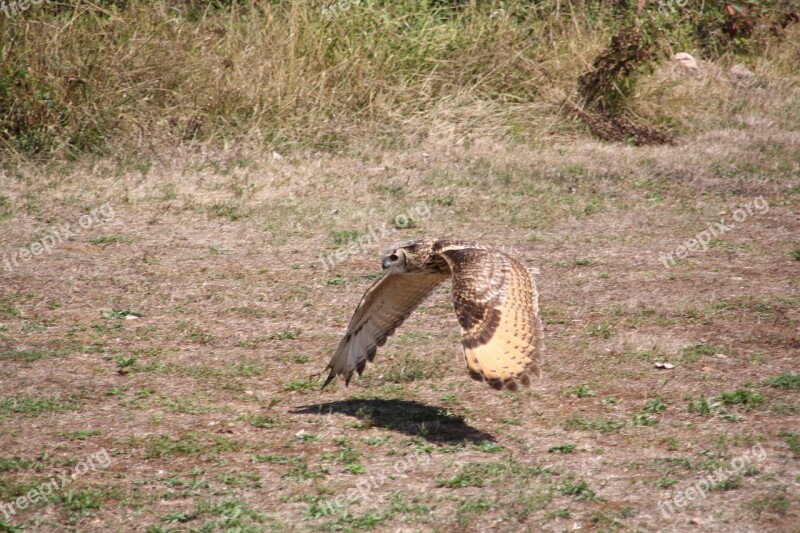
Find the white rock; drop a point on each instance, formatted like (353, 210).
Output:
(686, 61)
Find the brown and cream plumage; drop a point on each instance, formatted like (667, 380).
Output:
(495, 301)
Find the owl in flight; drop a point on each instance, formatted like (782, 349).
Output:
(495, 301)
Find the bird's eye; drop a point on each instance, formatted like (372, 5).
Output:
(393, 257)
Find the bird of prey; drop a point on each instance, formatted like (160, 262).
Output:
(494, 297)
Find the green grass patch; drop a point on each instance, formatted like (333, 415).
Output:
(597, 424)
(602, 331)
(578, 489)
(231, 515)
(228, 210)
(10, 464)
(79, 504)
(785, 381)
(344, 237)
(165, 447)
(28, 355)
(479, 474)
(37, 405)
(732, 483)
(702, 406)
(567, 447)
(741, 397)
(300, 471)
(111, 239)
(776, 504)
(263, 422)
(695, 351)
(301, 385)
(792, 440)
(82, 434)
(581, 391)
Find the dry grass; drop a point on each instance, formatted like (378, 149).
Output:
(282, 75)
(203, 404)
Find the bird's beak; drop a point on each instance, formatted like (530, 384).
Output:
(387, 262)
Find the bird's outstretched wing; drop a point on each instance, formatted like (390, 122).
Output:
(497, 306)
(385, 305)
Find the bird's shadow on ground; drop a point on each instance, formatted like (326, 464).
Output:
(413, 418)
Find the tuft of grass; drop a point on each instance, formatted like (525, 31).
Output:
(741, 397)
(110, 239)
(6, 208)
(581, 391)
(229, 210)
(602, 331)
(344, 237)
(8, 464)
(654, 406)
(81, 503)
(488, 447)
(732, 483)
(784, 381)
(37, 405)
(665, 482)
(300, 385)
(792, 440)
(597, 424)
(408, 368)
(478, 474)
(7, 307)
(695, 351)
(300, 471)
(27, 355)
(165, 447)
(580, 490)
(561, 513)
(702, 406)
(775, 504)
(263, 422)
(567, 447)
(228, 515)
(218, 250)
(80, 434)
(286, 334)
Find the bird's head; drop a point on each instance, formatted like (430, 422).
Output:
(411, 256)
(395, 259)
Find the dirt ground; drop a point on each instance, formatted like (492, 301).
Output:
(155, 356)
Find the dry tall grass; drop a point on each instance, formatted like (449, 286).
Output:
(78, 77)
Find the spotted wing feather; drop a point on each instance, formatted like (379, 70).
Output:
(384, 306)
(496, 304)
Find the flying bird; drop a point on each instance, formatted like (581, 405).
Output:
(495, 301)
